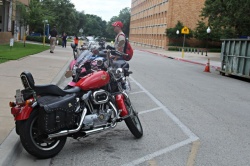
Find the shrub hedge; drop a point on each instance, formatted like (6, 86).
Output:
(40, 39)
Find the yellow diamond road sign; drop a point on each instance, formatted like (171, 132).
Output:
(185, 30)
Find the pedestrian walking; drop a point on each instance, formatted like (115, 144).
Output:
(64, 40)
(53, 38)
(76, 40)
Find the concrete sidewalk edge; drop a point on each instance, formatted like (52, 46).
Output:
(180, 59)
(11, 147)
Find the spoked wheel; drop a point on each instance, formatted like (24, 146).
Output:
(37, 144)
(133, 122)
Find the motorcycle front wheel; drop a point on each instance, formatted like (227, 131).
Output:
(133, 122)
(36, 144)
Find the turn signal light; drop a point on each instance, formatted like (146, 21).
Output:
(12, 104)
(29, 102)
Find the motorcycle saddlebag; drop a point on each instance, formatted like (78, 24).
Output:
(56, 113)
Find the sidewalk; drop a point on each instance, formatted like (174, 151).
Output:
(194, 58)
(45, 67)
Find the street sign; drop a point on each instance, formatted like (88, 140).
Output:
(11, 42)
(81, 30)
(185, 31)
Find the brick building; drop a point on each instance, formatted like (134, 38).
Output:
(151, 18)
(9, 26)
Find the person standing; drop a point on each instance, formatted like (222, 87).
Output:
(120, 37)
(53, 38)
(76, 40)
(64, 40)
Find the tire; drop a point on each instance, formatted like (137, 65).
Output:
(17, 127)
(34, 145)
(133, 122)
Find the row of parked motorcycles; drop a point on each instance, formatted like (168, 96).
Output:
(95, 100)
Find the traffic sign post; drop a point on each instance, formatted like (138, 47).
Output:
(185, 31)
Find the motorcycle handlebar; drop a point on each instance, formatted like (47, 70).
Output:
(113, 52)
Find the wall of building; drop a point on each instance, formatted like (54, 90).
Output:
(25, 2)
(151, 18)
(148, 22)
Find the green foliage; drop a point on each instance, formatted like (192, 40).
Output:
(214, 50)
(124, 17)
(40, 39)
(171, 32)
(228, 18)
(63, 15)
(18, 51)
(173, 48)
(94, 26)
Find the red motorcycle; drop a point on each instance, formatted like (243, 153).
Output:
(46, 115)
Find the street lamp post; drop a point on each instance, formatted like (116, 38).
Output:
(208, 32)
(177, 33)
(44, 22)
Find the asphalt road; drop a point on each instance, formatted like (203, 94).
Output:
(189, 118)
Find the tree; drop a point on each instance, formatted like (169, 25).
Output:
(124, 17)
(171, 32)
(228, 18)
(63, 14)
(110, 30)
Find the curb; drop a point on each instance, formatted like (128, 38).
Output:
(11, 147)
(180, 59)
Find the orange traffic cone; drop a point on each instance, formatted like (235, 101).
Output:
(207, 68)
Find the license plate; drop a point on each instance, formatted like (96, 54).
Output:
(19, 97)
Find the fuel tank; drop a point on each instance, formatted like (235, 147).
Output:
(94, 80)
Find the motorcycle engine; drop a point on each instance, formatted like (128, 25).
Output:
(97, 119)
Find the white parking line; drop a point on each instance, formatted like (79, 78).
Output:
(151, 110)
(159, 152)
(136, 92)
(184, 128)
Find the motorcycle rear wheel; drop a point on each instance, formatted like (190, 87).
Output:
(133, 122)
(41, 148)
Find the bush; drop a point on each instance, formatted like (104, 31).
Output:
(214, 50)
(40, 39)
(173, 48)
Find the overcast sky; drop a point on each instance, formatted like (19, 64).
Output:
(102, 8)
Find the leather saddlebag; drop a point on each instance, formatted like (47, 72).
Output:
(56, 113)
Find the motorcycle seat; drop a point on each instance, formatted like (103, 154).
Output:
(50, 89)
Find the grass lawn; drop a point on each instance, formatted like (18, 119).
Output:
(18, 51)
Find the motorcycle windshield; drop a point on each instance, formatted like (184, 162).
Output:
(83, 57)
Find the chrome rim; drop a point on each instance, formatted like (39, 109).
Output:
(41, 143)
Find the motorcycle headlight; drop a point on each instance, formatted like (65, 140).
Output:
(99, 62)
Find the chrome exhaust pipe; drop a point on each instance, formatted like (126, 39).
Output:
(94, 131)
(67, 132)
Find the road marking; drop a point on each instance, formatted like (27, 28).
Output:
(159, 152)
(193, 153)
(183, 127)
(136, 92)
(151, 110)
(152, 163)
